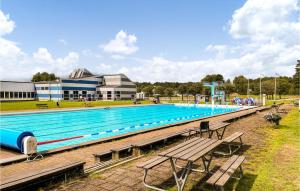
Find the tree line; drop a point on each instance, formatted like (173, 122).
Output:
(284, 86)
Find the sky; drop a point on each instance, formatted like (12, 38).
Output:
(149, 40)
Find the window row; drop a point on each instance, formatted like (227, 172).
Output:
(11, 95)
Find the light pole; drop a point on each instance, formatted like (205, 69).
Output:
(260, 98)
(297, 67)
(275, 86)
(248, 89)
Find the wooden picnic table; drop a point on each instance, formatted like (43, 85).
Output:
(218, 127)
(191, 151)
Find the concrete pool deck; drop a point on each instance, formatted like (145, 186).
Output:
(86, 153)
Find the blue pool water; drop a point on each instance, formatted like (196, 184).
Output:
(92, 124)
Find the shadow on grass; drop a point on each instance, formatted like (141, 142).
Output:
(246, 183)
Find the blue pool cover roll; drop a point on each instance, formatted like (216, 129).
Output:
(13, 139)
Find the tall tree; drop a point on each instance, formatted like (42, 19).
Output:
(159, 90)
(194, 89)
(213, 78)
(43, 77)
(148, 90)
(296, 80)
(169, 92)
(240, 83)
(182, 89)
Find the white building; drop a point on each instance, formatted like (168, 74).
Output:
(16, 91)
(81, 84)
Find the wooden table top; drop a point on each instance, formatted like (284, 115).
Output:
(192, 150)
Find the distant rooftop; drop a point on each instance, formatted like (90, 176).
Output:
(80, 73)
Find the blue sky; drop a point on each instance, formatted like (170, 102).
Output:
(207, 36)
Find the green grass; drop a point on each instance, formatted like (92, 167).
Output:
(277, 166)
(31, 105)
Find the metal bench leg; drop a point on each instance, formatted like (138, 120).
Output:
(206, 162)
(147, 185)
(241, 171)
(180, 181)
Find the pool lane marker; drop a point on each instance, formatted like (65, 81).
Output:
(117, 130)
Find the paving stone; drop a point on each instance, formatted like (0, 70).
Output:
(111, 186)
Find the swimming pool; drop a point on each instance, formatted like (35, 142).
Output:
(64, 128)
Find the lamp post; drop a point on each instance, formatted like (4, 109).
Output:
(275, 86)
(248, 88)
(260, 97)
(297, 67)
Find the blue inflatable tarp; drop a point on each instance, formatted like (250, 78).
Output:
(13, 139)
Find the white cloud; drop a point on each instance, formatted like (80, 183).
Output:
(122, 44)
(266, 20)
(16, 64)
(6, 25)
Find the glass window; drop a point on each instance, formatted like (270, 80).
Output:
(24, 94)
(11, 94)
(1, 94)
(46, 88)
(32, 95)
(6, 94)
(108, 94)
(42, 88)
(20, 94)
(16, 95)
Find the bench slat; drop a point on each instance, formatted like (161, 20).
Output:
(121, 148)
(179, 146)
(152, 162)
(216, 176)
(205, 151)
(187, 152)
(233, 137)
(102, 153)
(230, 171)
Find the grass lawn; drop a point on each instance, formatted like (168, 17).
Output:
(29, 105)
(277, 166)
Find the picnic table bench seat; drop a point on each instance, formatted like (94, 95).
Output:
(147, 165)
(42, 105)
(35, 179)
(225, 172)
(232, 145)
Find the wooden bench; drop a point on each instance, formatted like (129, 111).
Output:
(149, 165)
(231, 144)
(116, 151)
(99, 156)
(42, 105)
(137, 146)
(35, 179)
(223, 174)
